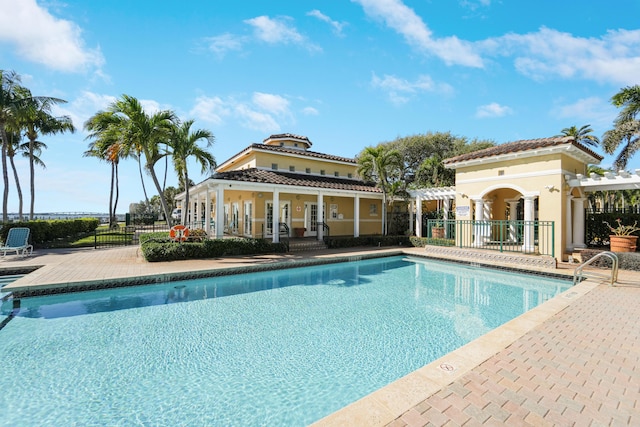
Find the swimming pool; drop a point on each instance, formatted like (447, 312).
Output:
(283, 347)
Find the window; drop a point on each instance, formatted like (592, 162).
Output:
(248, 217)
(373, 209)
(308, 170)
(321, 171)
(349, 175)
(333, 210)
(292, 168)
(500, 173)
(336, 173)
(274, 166)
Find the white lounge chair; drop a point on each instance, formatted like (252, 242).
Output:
(18, 241)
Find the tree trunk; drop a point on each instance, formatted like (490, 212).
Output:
(111, 216)
(115, 203)
(165, 208)
(186, 196)
(144, 188)
(18, 188)
(5, 174)
(32, 175)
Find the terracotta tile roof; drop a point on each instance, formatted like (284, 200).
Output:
(521, 146)
(289, 150)
(288, 136)
(297, 179)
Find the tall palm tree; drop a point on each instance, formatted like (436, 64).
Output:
(379, 164)
(184, 145)
(144, 135)
(626, 131)
(10, 94)
(106, 147)
(582, 135)
(35, 117)
(14, 146)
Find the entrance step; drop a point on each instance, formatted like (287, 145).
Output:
(301, 245)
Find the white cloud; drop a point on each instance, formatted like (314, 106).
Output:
(272, 103)
(263, 112)
(613, 57)
(40, 37)
(397, 16)
(310, 111)
(224, 43)
(337, 26)
(400, 90)
(210, 109)
(279, 31)
(593, 110)
(83, 107)
(493, 110)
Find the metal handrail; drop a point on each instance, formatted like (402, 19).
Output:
(579, 273)
(325, 227)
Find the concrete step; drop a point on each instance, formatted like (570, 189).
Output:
(302, 245)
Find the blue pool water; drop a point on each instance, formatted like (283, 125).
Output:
(279, 348)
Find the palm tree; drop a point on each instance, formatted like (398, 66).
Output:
(143, 134)
(10, 94)
(34, 116)
(15, 145)
(626, 129)
(184, 144)
(582, 135)
(379, 164)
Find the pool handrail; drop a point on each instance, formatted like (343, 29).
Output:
(579, 273)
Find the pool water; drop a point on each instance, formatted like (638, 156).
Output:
(282, 348)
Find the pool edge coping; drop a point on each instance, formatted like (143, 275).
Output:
(386, 404)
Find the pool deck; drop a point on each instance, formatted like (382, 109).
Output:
(573, 360)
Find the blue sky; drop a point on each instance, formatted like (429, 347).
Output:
(345, 73)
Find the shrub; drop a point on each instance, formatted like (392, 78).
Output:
(158, 247)
(43, 231)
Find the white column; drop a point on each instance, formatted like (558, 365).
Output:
(418, 216)
(445, 216)
(276, 216)
(528, 232)
(513, 217)
(207, 214)
(568, 224)
(479, 231)
(578, 222)
(219, 212)
(412, 206)
(320, 229)
(356, 216)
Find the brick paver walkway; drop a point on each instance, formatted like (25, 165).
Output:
(581, 367)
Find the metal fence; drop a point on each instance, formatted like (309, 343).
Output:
(500, 235)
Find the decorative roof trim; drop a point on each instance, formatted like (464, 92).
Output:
(525, 149)
(290, 152)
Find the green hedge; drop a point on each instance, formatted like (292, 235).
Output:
(43, 231)
(158, 247)
(375, 240)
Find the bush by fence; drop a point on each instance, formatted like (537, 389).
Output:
(597, 232)
(43, 231)
(158, 247)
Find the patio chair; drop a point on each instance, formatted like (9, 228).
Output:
(17, 240)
